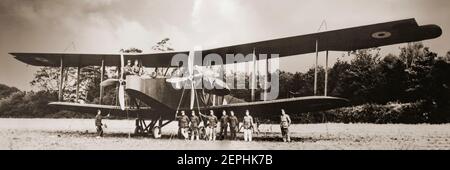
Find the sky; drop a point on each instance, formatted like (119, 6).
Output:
(105, 26)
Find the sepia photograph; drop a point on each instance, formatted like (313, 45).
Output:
(224, 75)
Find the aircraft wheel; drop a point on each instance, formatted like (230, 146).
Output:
(156, 132)
(137, 131)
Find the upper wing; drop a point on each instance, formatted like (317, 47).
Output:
(338, 40)
(74, 60)
(348, 39)
(272, 109)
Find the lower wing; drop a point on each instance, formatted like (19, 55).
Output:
(272, 109)
(106, 109)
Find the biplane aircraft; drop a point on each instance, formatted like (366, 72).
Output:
(162, 100)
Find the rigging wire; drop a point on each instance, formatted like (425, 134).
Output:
(128, 117)
(72, 44)
(198, 105)
(179, 103)
(324, 23)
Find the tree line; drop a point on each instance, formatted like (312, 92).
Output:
(416, 80)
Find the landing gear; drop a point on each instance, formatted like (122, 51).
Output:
(156, 132)
(152, 129)
(139, 130)
(140, 127)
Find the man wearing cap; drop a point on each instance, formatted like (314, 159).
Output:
(284, 125)
(195, 121)
(183, 125)
(223, 125)
(248, 126)
(234, 125)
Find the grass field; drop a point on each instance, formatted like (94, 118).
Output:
(80, 134)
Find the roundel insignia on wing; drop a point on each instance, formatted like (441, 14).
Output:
(381, 35)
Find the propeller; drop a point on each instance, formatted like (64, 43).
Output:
(191, 77)
(201, 75)
(109, 82)
(197, 75)
(119, 81)
(179, 80)
(212, 83)
(122, 83)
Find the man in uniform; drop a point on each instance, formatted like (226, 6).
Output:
(183, 125)
(127, 69)
(284, 125)
(195, 121)
(212, 124)
(136, 70)
(223, 125)
(98, 123)
(234, 125)
(248, 126)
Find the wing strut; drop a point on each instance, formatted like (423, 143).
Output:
(78, 84)
(324, 23)
(61, 79)
(102, 73)
(253, 76)
(326, 73)
(315, 67)
(266, 80)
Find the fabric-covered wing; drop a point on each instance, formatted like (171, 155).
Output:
(338, 40)
(272, 109)
(74, 60)
(92, 109)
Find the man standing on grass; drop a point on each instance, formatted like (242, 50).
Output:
(248, 126)
(183, 125)
(234, 125)
(284, 125)
(212, 125)
(223, 125)
(98, 123)
(195, 121)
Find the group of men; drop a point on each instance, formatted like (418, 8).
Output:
(132, 70)
(189, 126)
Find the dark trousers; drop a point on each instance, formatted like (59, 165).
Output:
(99, 131)
(285, 134)
(195, 133)
(223, 132)
(233, 131)
(183, 133)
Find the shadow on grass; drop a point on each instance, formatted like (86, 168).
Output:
(262, 137)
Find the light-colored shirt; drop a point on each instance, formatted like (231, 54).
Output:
(285, 121)
(248, 122)
(98, 120)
